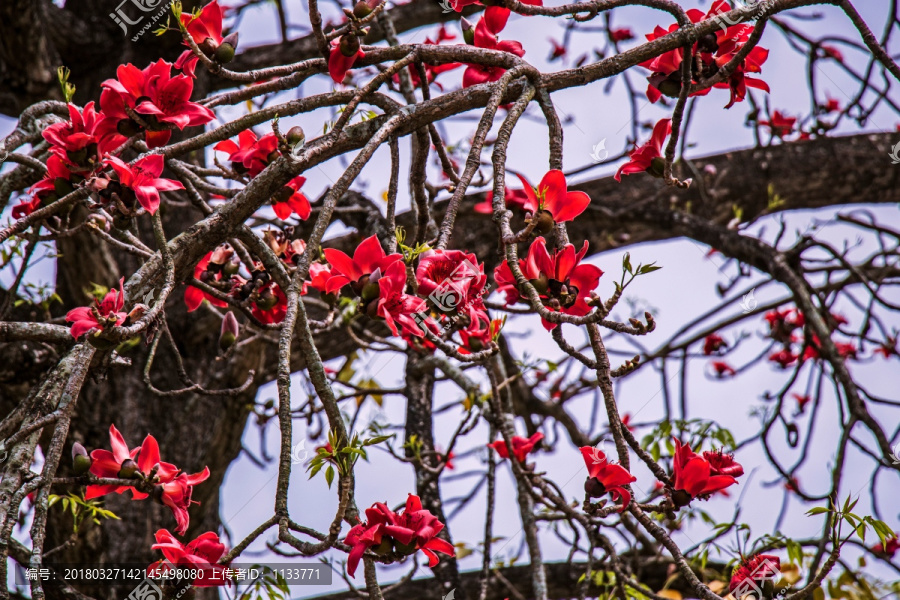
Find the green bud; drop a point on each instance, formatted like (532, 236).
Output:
(128, 470)
(224, 53)
(81, 462)
(657, 166)
(362, 10)
(370, 291)
(295, 135)
(468, 31)
(266, 300)
(545, 222)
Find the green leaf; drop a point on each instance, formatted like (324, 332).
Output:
(626, 263)
(329, 475)
(817, 511)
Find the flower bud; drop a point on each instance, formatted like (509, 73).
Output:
(545, 222)
(229, 332)
(680, 498)
(266, 300)
(225, 51)
(128, 469)
(221, 255)
(208, 47)
(231, 268)
(81, 462)
(349, 44)
(468, 31)
(362, 10)
(657, 166)
(593, 488)
(370, 291)
(295, 136)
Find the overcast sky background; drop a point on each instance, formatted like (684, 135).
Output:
(682, 290)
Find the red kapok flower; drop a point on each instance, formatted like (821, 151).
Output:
(319, 274)
(621, 34)
(271, 304)
(802, 401)
(723, 369)
(521, 447)
(122, 463)
(649, 156)
(159, 99)
(557, 50)
(345, 51)
(564, 285)
(394, 305)
(698, 477)
(80, 140)
(889, 549)
(552, 202)
(783, 358)
(604, 476)
(452, 281)
(713, 343)
(250, 155)
(368, 257)
(417, 529)
(295, 202)
(201, 555)
(486, 37)
(104, 313)
(212, 264)
(142, 178)
(780, 124)
(205, 28)
(369, 534)
(753, 573)
(176, 494)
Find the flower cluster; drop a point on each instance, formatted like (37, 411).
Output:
(786, 327)
(760, 568)
(385, 532)
(709, 54)
(697, 476)
(221, 270)
(164, 481)
(562, 282)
